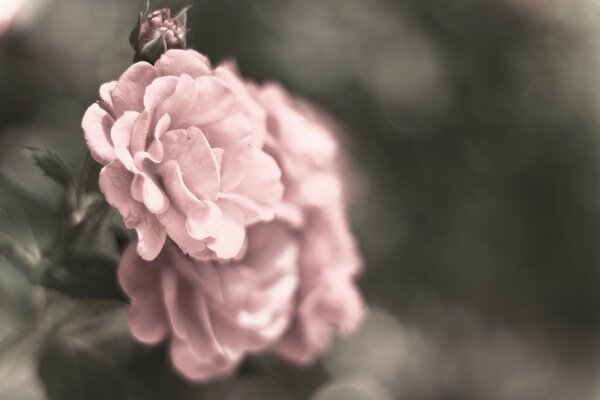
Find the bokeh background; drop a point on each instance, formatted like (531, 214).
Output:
(474, 130)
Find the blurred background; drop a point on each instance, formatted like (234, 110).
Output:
(474, 130)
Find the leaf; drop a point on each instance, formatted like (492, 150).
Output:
(87, 351)
(154, 49)
(135, 33)
(18, 372)
(86, 276)
(26, 217)
(24, 258)
(52, 166)
(181, 16)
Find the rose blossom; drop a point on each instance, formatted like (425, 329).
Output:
(304, 145)
(182, 157)
(213, 313)
(291, 284)
(327, 298)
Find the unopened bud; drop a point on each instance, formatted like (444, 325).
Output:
(157, 32)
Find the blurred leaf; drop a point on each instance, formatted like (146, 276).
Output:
(17, 253)
(18, 377)
(21, 305)
(81, 359)
(52, 166)
(25, 217)
(85, 276)
(90, 354)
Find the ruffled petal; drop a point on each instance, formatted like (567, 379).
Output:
(177, 62)
(105, 92)
(176, 298)
(205, 100)
(156, 148)
(195, 158)
(146, 320)
(121, 136)
(139, 132)
(145, 189)
(115, 182)
(341, 304)
(96, 125)
(204, 218)
(260, 191)
(158, 91)
(139, 279)
(229, 240)
(128, 94)
(133, 282)
(245, 92)
(175, 223)
(234, 136)
(195, 368)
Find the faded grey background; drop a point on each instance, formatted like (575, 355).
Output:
(474, 127)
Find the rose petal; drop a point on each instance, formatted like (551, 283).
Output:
(145, 190)
(201, 336)
(235, 135)
(115, 182)
(151, 237)
(204, 218)
(146, 320)
(128, 94)
(175, 222)
(139, 132)
(175, 295)
(133, 283)
(341, 304)
(195, 158)
(158, 91)
(260, 191)
(177, 62)
(194, 368)
(105, 92)
(156, 149)
(205, 100)
(96, 126)
(121, 136)
(229, 240)
(245, 92)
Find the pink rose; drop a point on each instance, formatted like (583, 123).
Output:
(256, 257)
(182, 158)
(214, 314)
(327, 298)
(304, 145)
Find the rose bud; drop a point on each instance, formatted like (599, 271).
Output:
(156, 32)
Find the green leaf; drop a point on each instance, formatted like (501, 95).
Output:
(181, 16)
(27, 218)
(135, 33)
(154, 49)
(52, 166)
